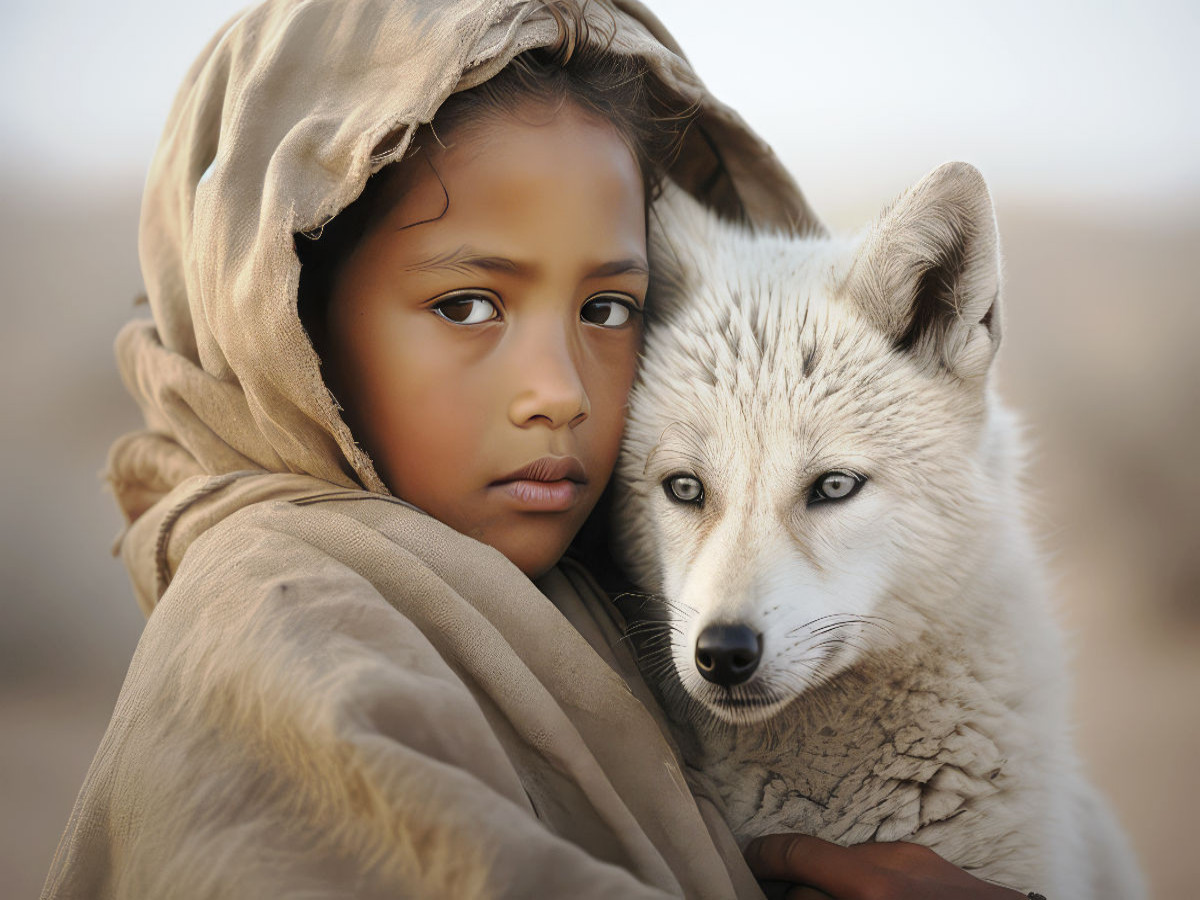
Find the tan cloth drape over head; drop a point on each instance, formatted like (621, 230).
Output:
(336, 695)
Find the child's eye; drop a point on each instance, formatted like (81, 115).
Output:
(608, 311)
(467, 308)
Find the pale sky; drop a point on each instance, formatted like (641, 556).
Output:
(1092, 103)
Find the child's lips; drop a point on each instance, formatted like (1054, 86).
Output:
(543, 496)
(548, 468)
(549, 484)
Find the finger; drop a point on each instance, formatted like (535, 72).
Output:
(776, 890)
(785, 890)
(801, 858)
(806, 893)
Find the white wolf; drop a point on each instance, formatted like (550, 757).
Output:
(819, 484)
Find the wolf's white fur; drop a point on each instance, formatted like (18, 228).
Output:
(912, 683)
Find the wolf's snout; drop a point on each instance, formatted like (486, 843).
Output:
(728, 654)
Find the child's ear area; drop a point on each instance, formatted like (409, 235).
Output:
(681, 234)
(927, 273)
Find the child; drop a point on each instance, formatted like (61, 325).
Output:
(348, 684)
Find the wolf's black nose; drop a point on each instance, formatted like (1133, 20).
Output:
(728, 654)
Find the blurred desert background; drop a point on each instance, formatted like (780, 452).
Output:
(1085, 120)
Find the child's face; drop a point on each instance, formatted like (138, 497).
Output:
(474, 336)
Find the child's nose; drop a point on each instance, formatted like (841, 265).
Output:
(550, 389)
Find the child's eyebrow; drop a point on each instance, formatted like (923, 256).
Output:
(630, 266)
(466, 259)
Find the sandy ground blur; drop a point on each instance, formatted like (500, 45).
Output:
(1100, 358)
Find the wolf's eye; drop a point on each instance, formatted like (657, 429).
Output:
(685, 489)
(836, 486)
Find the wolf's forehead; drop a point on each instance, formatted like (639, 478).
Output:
(764, 334)
(797, 369)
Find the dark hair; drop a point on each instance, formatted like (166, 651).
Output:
(581, 68)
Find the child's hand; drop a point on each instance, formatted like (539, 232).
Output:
(820, 870)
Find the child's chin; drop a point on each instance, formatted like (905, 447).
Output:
(533, 573)
(535, 561)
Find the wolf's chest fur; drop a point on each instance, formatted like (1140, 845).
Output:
(869, 756)
(880, 753)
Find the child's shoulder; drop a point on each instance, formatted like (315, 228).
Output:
(330, 534)
(286, 598)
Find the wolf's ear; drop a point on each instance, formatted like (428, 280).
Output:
(928, 272)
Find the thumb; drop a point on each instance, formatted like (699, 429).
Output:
(800, 859)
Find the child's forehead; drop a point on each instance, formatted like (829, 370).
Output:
(533, 116)
(467, 141)
(509, 159)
